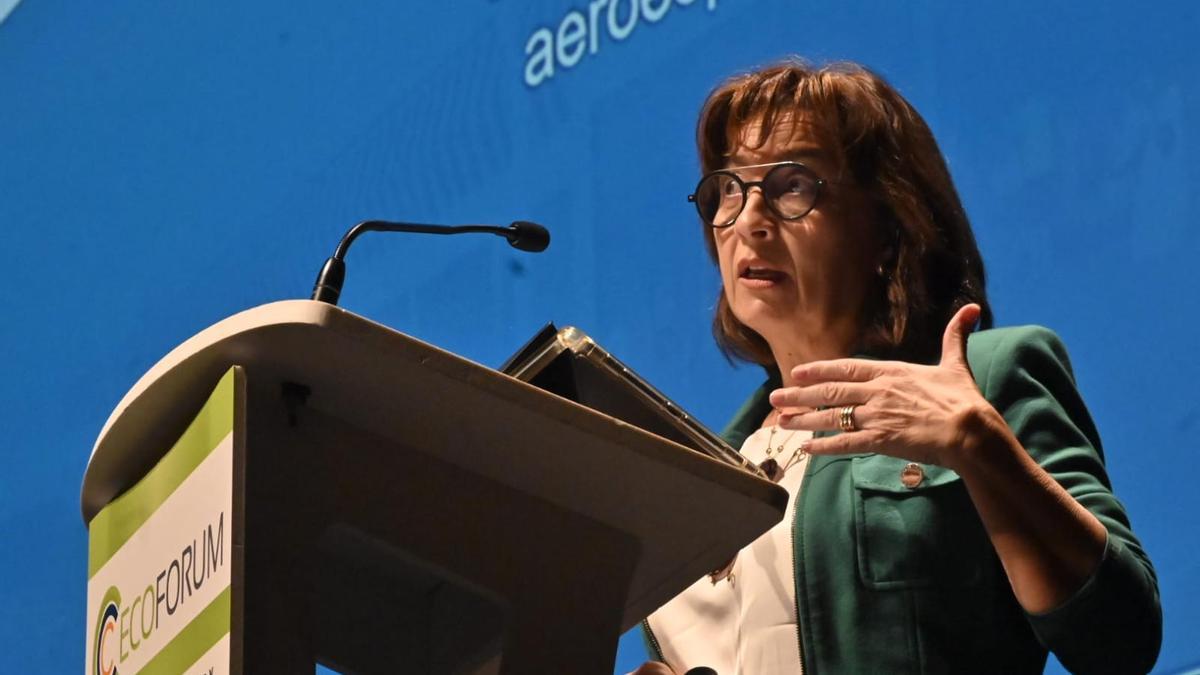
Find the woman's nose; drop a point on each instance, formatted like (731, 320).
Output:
(756, 219)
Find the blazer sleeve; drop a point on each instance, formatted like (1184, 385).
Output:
(1113, 623)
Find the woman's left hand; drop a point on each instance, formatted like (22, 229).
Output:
(928, 414)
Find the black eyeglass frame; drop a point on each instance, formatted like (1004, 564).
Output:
(745, 185)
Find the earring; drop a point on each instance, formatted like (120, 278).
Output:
(885, 267)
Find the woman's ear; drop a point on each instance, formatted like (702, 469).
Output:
(889, 244)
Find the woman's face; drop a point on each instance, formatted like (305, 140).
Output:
(804, 279)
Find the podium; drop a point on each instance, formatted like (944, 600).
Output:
(390, 508)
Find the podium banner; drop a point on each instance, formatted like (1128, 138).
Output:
(160, 558)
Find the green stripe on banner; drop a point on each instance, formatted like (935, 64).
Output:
(115, 523)
(209, 626)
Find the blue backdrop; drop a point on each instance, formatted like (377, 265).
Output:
(164, 165)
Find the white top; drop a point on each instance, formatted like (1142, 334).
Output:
(745, 624)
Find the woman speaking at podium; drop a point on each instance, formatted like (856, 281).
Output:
(949, 507)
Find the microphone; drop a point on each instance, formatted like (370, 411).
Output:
(527, 236)
(522, 235)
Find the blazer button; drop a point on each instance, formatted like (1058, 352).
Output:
(912, 475)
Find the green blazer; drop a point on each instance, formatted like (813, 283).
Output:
(890, 579)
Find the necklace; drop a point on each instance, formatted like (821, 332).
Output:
(771, 465)
(776, 473)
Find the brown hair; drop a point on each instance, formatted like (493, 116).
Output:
(933, 266)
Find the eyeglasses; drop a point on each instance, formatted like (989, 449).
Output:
(790, 189)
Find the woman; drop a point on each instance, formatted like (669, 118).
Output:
(950, 509)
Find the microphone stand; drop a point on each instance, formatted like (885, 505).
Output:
(521, 234)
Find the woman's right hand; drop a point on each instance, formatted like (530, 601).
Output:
(653, 668)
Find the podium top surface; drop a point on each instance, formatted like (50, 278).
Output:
(160, 398)
(684, 508)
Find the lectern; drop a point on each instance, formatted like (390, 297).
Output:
(298, 484)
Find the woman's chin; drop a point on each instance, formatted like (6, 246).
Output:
(765, 317)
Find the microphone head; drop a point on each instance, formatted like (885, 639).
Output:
(528, 236)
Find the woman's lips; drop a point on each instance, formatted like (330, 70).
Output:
(761, 277)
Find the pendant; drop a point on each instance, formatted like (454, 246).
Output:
(772, 469)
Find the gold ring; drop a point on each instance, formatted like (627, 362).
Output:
(846, 419)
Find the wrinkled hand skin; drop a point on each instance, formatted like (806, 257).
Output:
(929, 414)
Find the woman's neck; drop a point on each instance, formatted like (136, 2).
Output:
(797, 348)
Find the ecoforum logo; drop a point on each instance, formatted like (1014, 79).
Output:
(129, 635)
(106, 623)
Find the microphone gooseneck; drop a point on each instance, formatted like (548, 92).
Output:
(522, 235)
